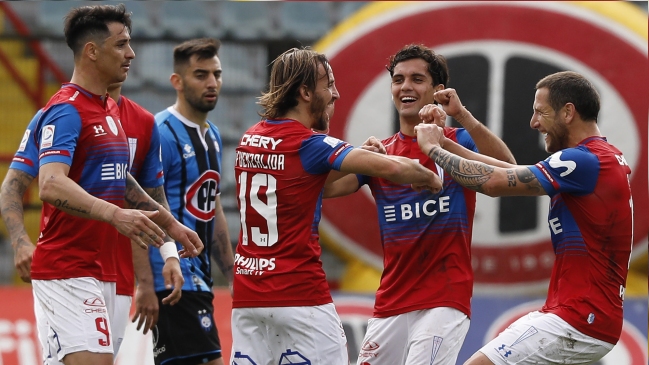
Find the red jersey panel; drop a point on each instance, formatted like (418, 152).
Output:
(140, 128)
(280, 170)
(82, 130)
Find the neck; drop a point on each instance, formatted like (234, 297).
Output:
(301, 116)
(89, 79)
(585, 130)
(190, 113)
(407, 127)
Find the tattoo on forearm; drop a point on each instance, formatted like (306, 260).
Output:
(527, 177)
(63, 204)
(511, 178)
(136, 198)
(471, 174)
(11, 208)
(220, 253)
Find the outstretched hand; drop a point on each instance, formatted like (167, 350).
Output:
(138, 226)
(192, 244)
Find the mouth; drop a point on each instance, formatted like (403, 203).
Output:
(210, 97)
(408, 100)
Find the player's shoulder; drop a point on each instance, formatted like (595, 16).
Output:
(134, 107)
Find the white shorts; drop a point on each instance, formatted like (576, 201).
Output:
(544, 338)
(421, 337)
(120, 319)
(288, 335)
(74, 314)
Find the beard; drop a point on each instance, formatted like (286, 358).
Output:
(558, 137)
(318, 110)
(201, 105)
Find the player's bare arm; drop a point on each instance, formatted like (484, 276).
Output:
(345, 185)
(476, 175)
(221, 247)
(13, 189)
(136, 197)
(486, 142)
(395, 168)
(57, 189)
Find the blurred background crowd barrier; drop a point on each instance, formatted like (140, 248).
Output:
(496, 52)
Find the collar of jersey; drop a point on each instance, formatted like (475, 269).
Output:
(280, 121)
(186, 121)
(404, 137)
(98, 98)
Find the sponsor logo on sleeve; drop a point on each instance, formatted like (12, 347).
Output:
(23, 142)
(47, 138)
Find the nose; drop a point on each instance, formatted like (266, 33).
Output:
(534, 122)
(334, 93)
(130, 54)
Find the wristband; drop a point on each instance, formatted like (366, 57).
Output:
(167, 250)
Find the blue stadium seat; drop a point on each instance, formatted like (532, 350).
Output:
(51, 15)
(184, 19)
(305, 20)
(143, 23)
(244, 66)
(249, 19)
(154, 63)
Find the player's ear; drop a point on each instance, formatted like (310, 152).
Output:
(569, 112)
(305, 93)
(90, 49)
(176, 81)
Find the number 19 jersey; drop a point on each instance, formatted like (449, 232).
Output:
(280, 171)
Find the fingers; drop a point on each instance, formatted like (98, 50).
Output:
(176, 294)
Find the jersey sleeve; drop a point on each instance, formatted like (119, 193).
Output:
(26, 158)
(168, 154)
(321, 153)
(151, 175)
(58, 132)
(465, 140)
(573, 170)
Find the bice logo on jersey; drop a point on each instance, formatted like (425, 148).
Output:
(114, 171)
(200, 196)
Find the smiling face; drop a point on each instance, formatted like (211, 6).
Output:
(201, 83)
(412, 88)
(549, 122)
(115, 53)
(325, 95)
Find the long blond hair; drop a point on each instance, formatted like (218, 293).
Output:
(290, 70)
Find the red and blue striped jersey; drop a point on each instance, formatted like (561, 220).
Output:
(82, 130)
(426, 237)
(280, 170)
(591, 225)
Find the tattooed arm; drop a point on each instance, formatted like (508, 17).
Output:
(11, 206)
(221, 246)
(137, 198)
(475, 175)
(57, 189)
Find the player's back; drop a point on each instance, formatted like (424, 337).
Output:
(280, 169)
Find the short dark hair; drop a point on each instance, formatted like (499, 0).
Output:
(87, 23)
(204, 48)
(570, 87)
(291, 70)
(437, 65)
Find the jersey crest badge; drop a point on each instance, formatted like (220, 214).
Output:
(111, 125)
